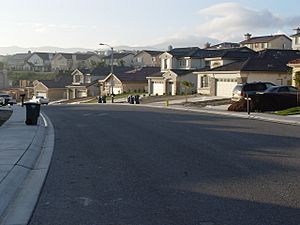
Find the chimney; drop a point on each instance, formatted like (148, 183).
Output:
(207, 45)
(297, 30)
(247, 36)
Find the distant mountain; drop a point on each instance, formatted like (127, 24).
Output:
(190, 41)
(16, 49)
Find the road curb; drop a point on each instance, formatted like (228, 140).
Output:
(23, 185)
(253, 117)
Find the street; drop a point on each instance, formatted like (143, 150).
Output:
(122, 165)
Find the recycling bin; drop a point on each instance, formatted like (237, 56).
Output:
(100, 99)
(32, 113)
(131, 99)
(137, 99)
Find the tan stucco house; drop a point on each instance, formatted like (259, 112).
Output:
(269, 65)
(147, 58)
(295, 69)
(260, 43)
(133, 80)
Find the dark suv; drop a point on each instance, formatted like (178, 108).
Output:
(242, 90)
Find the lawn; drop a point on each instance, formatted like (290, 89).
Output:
(290, 111)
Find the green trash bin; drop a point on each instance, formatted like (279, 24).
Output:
(32, 112)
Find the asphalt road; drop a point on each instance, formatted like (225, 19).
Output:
(122, 165)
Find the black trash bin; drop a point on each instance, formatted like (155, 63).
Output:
(137, 99)
(32, 113)
(131, 99)
(100, 99)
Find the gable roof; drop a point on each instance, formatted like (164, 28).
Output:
(118, 55)
(150, 52)
(269, 60)
(263, 39)
(84, 56)
(137, 75)
(224, 45)
(183, 52)
(60, 82)
(44, 55)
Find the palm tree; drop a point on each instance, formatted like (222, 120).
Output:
(187, 85)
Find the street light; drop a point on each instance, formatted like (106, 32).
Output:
(111, 66)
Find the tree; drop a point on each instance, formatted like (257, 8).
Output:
(187, 85)
(297, 78)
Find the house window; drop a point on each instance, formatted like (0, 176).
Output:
(77, 78)
(153, 59)
(165, 63)
(204, 81)
(187, 63)
(139, 59)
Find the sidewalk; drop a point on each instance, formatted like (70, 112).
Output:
(25, 151)
(222, 110)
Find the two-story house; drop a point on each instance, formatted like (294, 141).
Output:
(40, 61)
(17, 61)
(180, 64)
(269, 65)
(120, 59)
(260, 43)
(296, 39)
(147, 58)
(72, 61)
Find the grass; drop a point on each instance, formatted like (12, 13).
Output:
(290, 111)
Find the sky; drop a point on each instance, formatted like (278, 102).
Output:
(86, 23)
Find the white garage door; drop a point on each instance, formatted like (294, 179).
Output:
(225, 87)
(117, 90)
(158, 88)
(44, 94)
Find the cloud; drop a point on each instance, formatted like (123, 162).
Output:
(46, 28)
(229, 21)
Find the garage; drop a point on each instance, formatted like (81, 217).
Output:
(43, 94)
(158, 87)
(225, 86)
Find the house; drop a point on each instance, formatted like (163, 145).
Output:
(69, 61)
(41, 61)
(87, 82)
(295, 70)
(62, 61)
(280, 41)
(296, 39)
(223, 45)
(269, 65)
(120, 59)
(3, 79)
(82, 84)
(133, 80)
(17, 61)
(179, 65)
(147, 58)
(52, 89)
(86, 60)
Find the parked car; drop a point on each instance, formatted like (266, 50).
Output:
(278, 98)
(40, 99)
(6, 99)
(241, 91)
(282, 89)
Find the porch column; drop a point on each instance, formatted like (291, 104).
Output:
(149, 87)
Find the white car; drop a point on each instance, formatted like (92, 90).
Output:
(40, 99)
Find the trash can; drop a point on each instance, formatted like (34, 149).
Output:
(103, 99)
(131, 99)
(100, 99)
(32, 113)
(137, 99)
